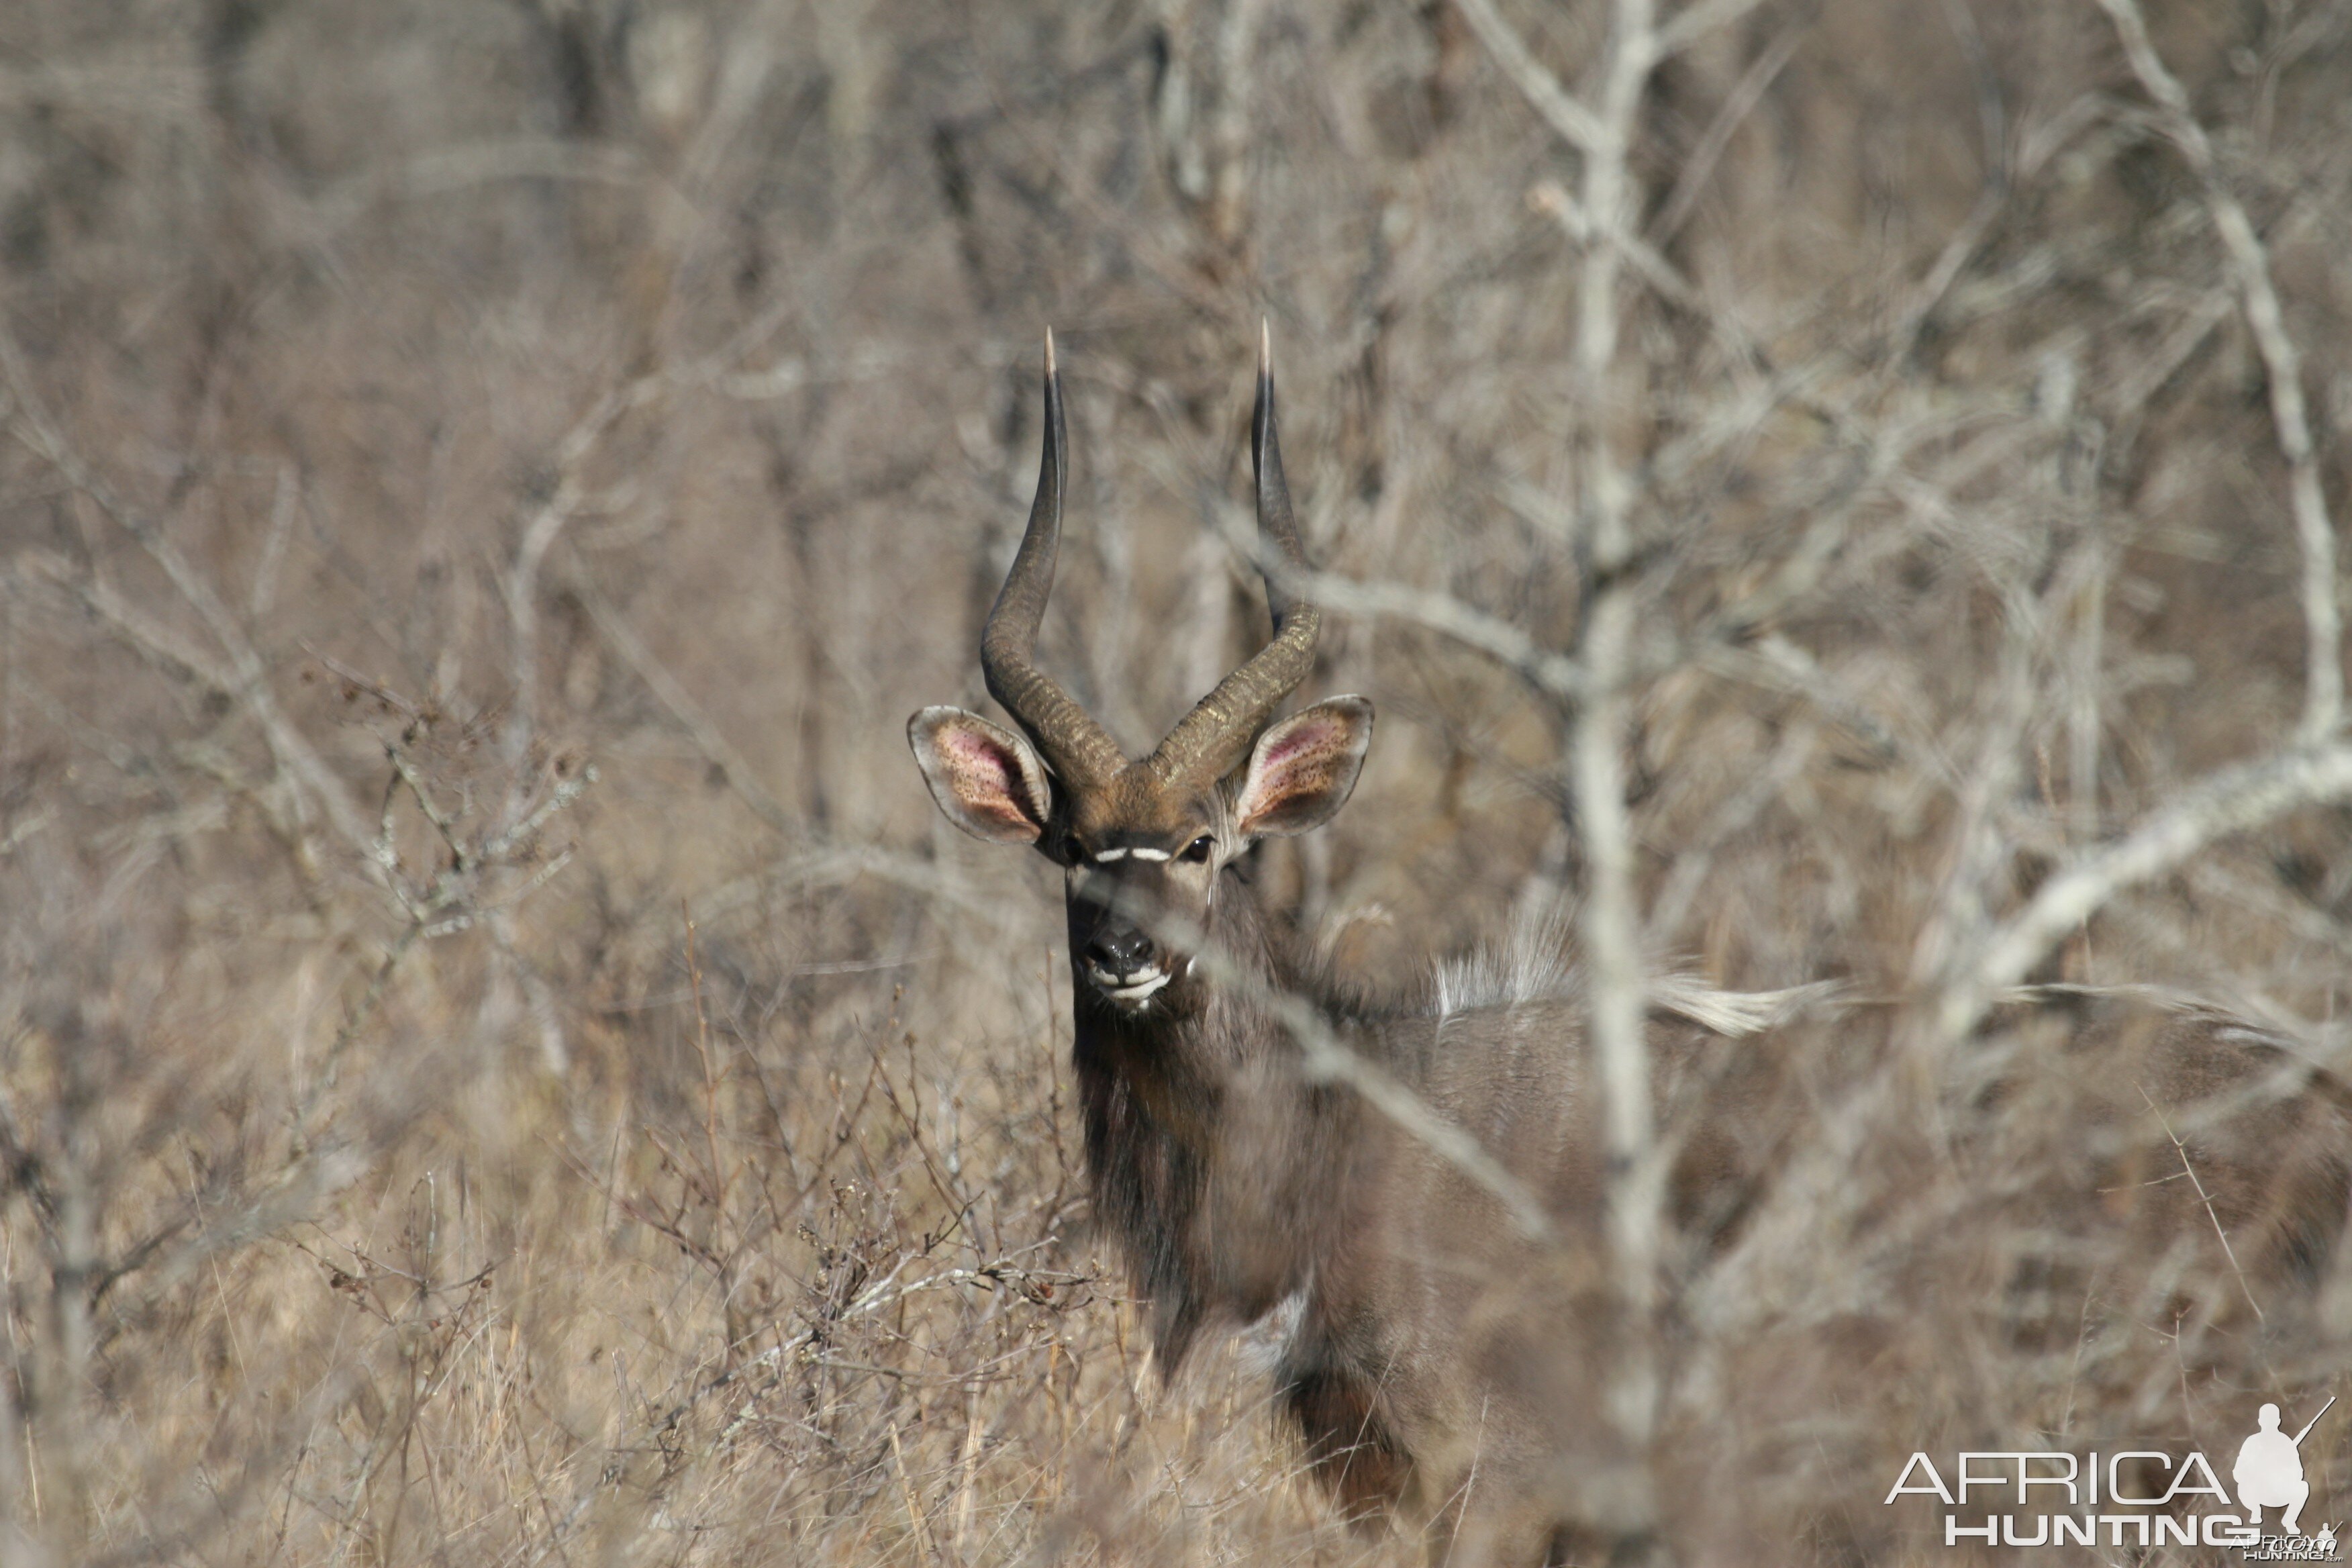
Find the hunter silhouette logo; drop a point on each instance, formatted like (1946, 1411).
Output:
(2134, 1497)
(2269, 1472)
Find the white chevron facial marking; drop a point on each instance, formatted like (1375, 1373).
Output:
(1148, 854)
(1111, 855)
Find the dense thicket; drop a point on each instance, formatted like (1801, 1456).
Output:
(499, 1061)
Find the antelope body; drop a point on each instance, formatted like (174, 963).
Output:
(1432, 1360)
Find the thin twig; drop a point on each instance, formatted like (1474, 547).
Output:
(719, 752)
(2207, 1199)
(1737, 105)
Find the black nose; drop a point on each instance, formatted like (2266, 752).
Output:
(1121, 953)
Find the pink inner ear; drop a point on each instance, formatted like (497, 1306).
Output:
(977, 753)
(1296, 765)
(1304, 738)
(986, 780)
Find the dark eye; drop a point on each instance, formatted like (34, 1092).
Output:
(1078, 856)
(1198, 850)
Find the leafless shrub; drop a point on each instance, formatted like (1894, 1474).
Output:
(498, 1061)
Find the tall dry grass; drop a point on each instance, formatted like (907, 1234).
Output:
(499, 1062)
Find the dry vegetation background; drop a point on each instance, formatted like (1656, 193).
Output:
(501, 1063)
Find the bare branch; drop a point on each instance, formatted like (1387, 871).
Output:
(539, 537)
(1577, 125)
(1609, 922)
(1554, 674)
(1695, 21)
(248, 679)
(2323, 614)
(1737, 105)
(2231, 801)
(1552, 199)
(447, 169)
(741, 776)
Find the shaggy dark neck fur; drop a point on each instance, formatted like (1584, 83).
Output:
(1221, 1172)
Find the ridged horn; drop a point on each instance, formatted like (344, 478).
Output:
(1214, 738)
(1077, 749)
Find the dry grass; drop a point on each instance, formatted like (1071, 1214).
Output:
(499, 1062)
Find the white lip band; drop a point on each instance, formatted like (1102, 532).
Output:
(1141, 990)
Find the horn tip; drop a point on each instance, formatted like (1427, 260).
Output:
(1262, 418)
(1050, 369)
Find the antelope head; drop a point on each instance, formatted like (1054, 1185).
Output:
(1146, 846)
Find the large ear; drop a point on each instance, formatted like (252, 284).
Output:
(988, 781)
(1303, 768)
